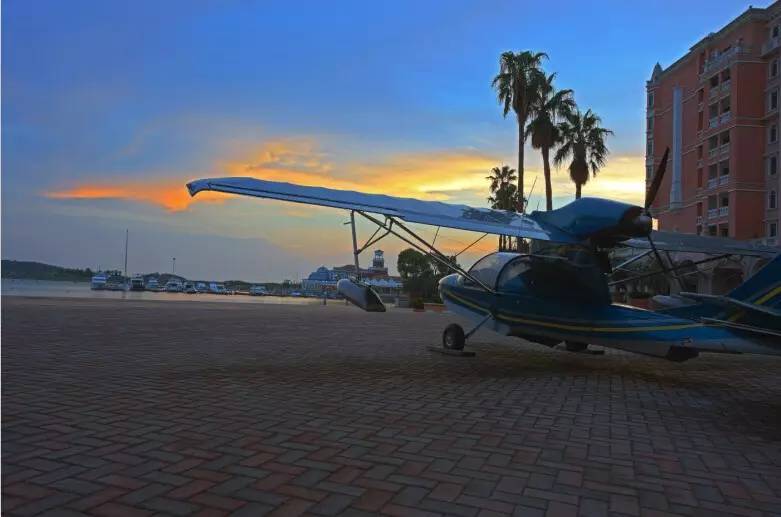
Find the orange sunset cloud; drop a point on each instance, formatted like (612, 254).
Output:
(426, 175)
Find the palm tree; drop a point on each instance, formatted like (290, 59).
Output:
(582, 140)
(548, 107)
(516, 85)
(503, 194)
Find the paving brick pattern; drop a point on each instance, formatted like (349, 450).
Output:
(177, 408)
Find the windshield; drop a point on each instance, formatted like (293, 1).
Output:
(487, 268)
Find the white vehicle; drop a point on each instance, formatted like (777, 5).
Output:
(174, 285)
(98, 281)
(257, 290)
(217, 288)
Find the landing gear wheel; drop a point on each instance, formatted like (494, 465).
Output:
(453, 337)
(575, 346)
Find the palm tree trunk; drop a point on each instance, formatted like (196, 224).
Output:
(521, 144)
(577, 190)
(546, 172)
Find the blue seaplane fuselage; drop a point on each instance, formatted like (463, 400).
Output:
(560, 294)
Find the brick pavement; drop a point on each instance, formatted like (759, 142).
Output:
(142, 408)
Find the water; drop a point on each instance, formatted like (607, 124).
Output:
(14, 287)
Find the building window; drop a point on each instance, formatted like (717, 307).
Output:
(649, 148)
(725, 168)
(725, 138)
(774, 69)
(724, 230)
(714, 81)
(771, 200)
(773, 103)
(773, 133)
(772, 165)
(713, 110)
(724, 201)
(650, 99)
(712, 230)
(775, 31)
(713, 171)
(772, 229)
(713, 142)
(650, 125)
(725, 105)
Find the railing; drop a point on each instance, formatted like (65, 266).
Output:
(723, 211)
(770, 45)
(713, 213)
(713, 182)
(724, 118)
(713, 122)
(725, 85)
(723, 180)
(712, 153)
(770, 241)
(717, 62)
(714, 91)
(699, 219)
(724, 149)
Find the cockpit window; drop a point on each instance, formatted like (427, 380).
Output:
(487, 268)
(511, 278)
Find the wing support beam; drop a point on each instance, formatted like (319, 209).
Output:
(410, 237)
(664, 271)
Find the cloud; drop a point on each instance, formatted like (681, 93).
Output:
(622, 179)
(434, 175)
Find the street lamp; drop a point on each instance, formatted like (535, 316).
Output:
(173, 272)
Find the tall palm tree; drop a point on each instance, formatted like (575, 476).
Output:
(516, 85)
(582, 141)
(548, 107)
(503, 195)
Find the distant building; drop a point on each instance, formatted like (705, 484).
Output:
(717, 109)
(376, 276)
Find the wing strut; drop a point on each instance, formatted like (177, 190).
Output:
(421, 246)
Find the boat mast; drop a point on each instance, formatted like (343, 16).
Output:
(127, 232)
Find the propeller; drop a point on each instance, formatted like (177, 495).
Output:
(656, 182)
(650, 196)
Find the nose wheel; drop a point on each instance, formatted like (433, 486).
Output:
(453, 337)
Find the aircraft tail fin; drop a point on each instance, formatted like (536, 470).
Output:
(763, 288)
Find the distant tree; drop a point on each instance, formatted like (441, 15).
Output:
(504, 195)
(420, 274)
(548, 107)
(582, 142)
(517, 84)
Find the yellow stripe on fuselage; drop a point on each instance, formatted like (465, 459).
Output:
(579, 328)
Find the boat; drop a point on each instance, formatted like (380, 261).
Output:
(257, 290)
(217, 288)
(98, 281)
(115, 282)
(137, 283)
(174, 285)
(152, 284)
(201, 287)
(189, 288)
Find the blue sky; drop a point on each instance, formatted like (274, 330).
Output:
(123, 102)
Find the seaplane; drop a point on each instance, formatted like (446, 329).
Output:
(558, 291)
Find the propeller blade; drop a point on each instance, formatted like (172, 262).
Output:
(656, 182)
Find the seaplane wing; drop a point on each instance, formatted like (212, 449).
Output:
(434, 213)
(672, 241)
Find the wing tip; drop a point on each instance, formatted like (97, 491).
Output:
(197, 186)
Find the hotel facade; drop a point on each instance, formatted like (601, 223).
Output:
(717, 109)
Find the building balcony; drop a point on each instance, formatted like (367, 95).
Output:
(713, 93)
(725, 117)
(724, 150)
(725, 85)
(713, 182)
(713, 213)
(724, 211)
(699, 219)
(723, 180)
(713, 153)
(770, 45)
(715, 64)
(713, 122)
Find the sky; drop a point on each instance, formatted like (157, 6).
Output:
(109, 108)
